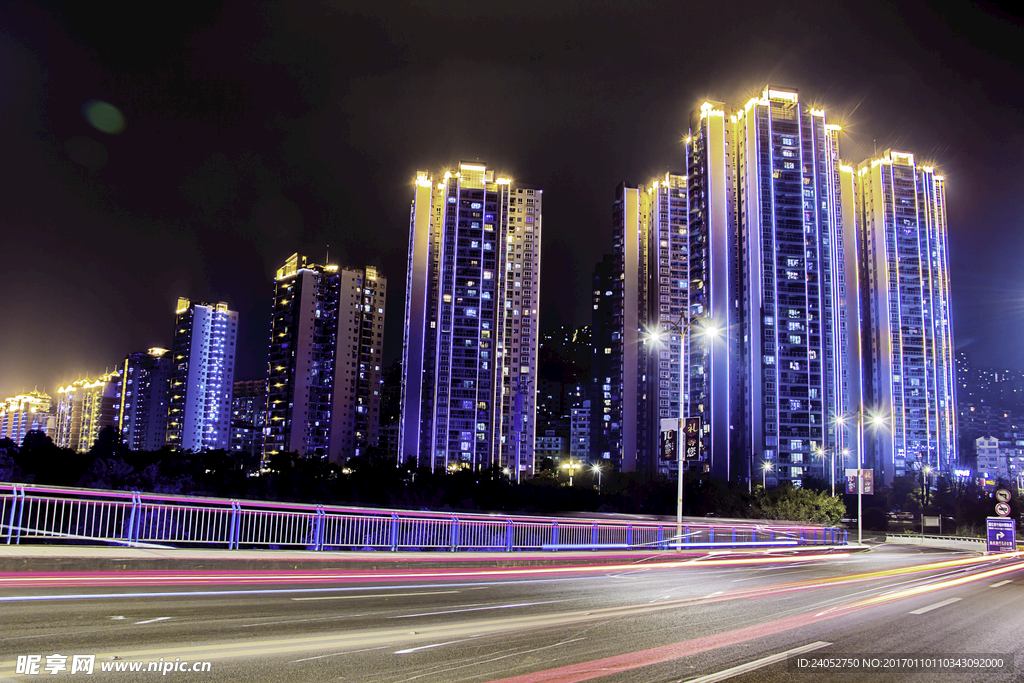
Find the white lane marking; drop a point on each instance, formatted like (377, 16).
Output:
(1001, 583)
(477, 609)
(758, 663)
(118, 618)
(336, 654)
(937, 605)
(150, 621)
(753, 578)
(427, 647)
(380, 595)
(493, 659)
(296, 621)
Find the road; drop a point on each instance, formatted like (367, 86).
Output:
(721, 618)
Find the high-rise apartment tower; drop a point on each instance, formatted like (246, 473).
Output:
(470, 350)
(202, 373)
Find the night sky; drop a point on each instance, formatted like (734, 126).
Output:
(252, 131)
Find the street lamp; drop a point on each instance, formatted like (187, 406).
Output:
(596, 467)
(683, 326)
(766, 467)
(876, 421)
(822, 452)
(572, 467)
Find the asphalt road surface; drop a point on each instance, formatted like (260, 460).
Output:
(724, 618)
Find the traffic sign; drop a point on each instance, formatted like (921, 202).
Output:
(1002, 534)
(1003, 496)
(1002, 509)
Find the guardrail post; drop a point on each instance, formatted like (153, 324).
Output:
(132, 535)
(394, 532)
(661, 537)
(594, 534)
(15, 518)
(629, 535)
(554, 533)
(21, 515)
(508, 535)
(234, 522)
(455, 534)
(801, 537)
(318, 538)
(734, 535)
(711, 534)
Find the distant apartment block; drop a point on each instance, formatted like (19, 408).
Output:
(84, 408)
(579, 438)
(325, 360)
(202, 373)
(144, 384)
(248, 416)
(24, 413)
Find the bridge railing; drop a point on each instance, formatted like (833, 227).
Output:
(36, 514)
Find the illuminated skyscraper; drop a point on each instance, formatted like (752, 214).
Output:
(144, 382)
(789, 339)
(470, 349)
(203, 368)
(324, 367)
(908, 332)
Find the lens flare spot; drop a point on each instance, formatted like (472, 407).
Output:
(103, 116)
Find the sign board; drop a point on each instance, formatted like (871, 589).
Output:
(1002, 534)
(669, 449)
(1003, 496)
(867, 481)
(693, 433)
(1002, 509)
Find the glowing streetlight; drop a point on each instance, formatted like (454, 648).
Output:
(876, 420)
(766, 467)
(572, 466)
(709, 330)
(822, 453)
(596, 468)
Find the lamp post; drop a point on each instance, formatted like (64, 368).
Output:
(926, 473)
(596, 467)
(876, 420)
(683, 326)
(572, 466)
(766, 467)
(822, 452)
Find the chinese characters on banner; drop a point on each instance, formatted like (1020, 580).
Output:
(867, 481)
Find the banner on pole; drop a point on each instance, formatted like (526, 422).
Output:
(867, 481)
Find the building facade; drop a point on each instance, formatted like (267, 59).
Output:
(324, 363)
(248, 416)
(145, 380)
(470, 347)
(908, 331)
(789, 339)
(84, 408)
(24, 413)
(202, 374)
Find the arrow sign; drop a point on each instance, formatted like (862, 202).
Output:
(1002, 534)
(1003, 496)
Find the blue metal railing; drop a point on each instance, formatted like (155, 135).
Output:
(40, 514)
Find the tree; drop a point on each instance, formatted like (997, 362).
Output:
(787, 502)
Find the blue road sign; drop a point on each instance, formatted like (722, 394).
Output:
(1002, 535)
